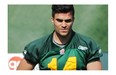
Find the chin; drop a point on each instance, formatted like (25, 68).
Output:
(64, 34)
(61, 34)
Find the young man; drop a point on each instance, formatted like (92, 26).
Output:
(63, 49)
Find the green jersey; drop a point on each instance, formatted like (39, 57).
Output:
(75, 55)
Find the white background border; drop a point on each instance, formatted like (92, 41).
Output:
(4, 37)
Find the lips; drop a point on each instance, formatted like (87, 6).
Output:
(63, 30)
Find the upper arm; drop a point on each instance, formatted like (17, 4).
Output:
(25, 65)
(94, 55)
(95, 65)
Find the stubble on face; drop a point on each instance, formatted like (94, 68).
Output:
(63, 24)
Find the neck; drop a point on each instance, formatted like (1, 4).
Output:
(61, 39)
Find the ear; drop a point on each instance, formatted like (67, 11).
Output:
(52, 20)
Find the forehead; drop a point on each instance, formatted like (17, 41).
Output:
(63, 15)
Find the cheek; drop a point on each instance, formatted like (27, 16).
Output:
(56, 27)
(69, 25)
(56, 24)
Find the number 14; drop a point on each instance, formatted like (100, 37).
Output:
(70, 64)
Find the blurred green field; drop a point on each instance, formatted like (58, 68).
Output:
(29, 22)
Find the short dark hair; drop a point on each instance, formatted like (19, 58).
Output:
(62, 9)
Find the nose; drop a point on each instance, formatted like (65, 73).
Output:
(64, 25)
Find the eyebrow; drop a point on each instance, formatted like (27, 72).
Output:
(67, 20)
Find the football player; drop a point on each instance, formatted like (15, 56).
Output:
(63, 49)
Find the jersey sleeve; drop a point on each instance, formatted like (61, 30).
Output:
(95, 52)
(31, 53)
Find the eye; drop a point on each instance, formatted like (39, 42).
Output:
(59, 20)
(68, 20)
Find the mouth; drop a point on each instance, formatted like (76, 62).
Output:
(64, 30)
